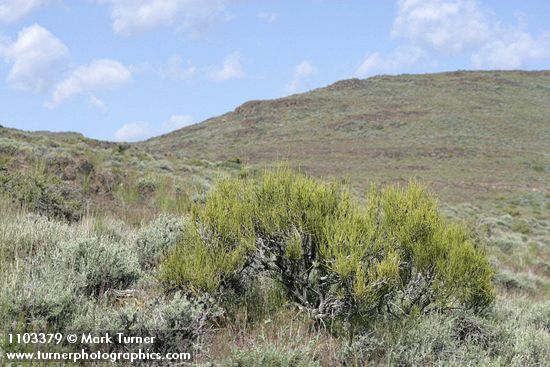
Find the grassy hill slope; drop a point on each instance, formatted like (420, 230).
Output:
(469, 134)
(44, 171)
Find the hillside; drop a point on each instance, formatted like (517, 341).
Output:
(469, 134)
(147, 238)
(68, 175)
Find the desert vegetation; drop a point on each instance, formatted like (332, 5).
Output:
(354, 252)
(334, 258)
(281, 269)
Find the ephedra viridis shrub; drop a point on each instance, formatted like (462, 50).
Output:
(336, 258)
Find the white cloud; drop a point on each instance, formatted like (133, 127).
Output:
(97, 102)
(432, 29)
(398, 59)
(268, 17)
(14, 10)
(4, 44)
(136, 16)
(134, 131)
(35, 56)
(175, 69)
(177, 122)
(512, 51)
(231, 69)
(87, 79)
(371, 62)
(445, 26)
(302, 71)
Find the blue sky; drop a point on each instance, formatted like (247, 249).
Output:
(130, 69)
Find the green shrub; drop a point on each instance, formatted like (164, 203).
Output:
(46, 195)
(524, 338)
(334, 257)
(37, 297)
(531, 348)
(157, 238)
(100, 264)
(539, 316)
(455, 339)
(429, 339)
(33, 292)
(215, 242)
(121, 148)
(46, 287)
(518, 282)
(521, 227)
(22, 235)
(176, 321)
(515, 333)
(146, 187)
(113, 229)
(9, 147)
